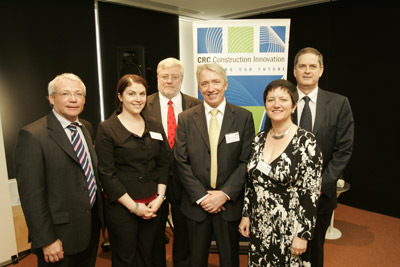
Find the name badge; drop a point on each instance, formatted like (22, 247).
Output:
(156, 136)
(232, 137)
(263, 167)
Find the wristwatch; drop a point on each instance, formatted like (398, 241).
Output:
(162, 196)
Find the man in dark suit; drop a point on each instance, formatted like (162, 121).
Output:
(169, 79)
(331, 120)
(60, 196)
(212, 148)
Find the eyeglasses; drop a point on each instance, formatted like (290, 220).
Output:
(68, 95)
(173, 77)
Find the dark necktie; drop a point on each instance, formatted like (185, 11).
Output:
(171, 124)
(80, 151)
(305, 120)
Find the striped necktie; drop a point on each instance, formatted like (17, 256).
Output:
(305, 119)
(80, 151)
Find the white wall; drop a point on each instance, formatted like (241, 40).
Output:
(8, 243)
(186, 55)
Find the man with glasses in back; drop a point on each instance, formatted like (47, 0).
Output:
(56, 168)
(165, 106)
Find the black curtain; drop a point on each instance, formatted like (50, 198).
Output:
(124, 27)
(39, 40)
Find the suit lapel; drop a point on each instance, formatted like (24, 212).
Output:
(89, 143)
(154, 110)
(229, 118)
(322, 101)
(57, 133)
(154, 107)
(294, 117)
(199, 118)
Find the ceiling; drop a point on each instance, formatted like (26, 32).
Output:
(216, 9)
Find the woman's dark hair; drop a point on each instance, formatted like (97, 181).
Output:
(285, 85)
(126, 81)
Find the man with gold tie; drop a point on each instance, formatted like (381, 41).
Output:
(212, 147)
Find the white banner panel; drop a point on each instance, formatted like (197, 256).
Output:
(8, 243)
(253, 52)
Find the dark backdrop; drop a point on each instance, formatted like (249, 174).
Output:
(359, 44)
(41, 39)
(122, 26)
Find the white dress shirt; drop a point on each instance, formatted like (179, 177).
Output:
(312, 104)
(220, 114)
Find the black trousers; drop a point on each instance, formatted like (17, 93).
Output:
(131, 237)
(86, 258)
(226, 236)
(180, 247)
(318, 241)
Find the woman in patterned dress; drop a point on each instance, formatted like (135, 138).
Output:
(281, 195)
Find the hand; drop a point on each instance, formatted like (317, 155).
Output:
(155, 204)
(244, 227)
(299, 246)
(53, 252)
(214, 201)
(145, 212)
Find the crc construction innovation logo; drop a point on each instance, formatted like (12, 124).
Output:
(209, 40)
(272, 39)
(241, 39)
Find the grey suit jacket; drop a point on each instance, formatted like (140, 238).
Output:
(52, 185)
(174, 188)
(192, 153)
(334, 131)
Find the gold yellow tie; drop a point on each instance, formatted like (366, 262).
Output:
(213, 133)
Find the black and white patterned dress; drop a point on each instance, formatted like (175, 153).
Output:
(282, 203)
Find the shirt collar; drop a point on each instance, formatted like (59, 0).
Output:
(221, 107)
(313, 95)
(64, 122)
(164, 100)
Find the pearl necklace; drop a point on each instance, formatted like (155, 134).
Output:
(277, 137)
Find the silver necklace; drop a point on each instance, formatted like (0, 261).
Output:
(277, 137)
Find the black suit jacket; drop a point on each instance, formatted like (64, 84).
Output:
(192, 153)
(153, 109)
(334, 131)
(52, 186)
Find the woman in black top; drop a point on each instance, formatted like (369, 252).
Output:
(133, 169)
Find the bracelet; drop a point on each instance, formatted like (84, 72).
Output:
(136, 208)
(162, 196)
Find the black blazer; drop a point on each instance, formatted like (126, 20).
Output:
(334, 131)
(129, 163)
(52, 185)
(174, 188)
(192, 154)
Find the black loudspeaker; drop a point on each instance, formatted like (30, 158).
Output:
(131, 60)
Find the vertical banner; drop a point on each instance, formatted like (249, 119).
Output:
(253, 53)
(8, 243)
